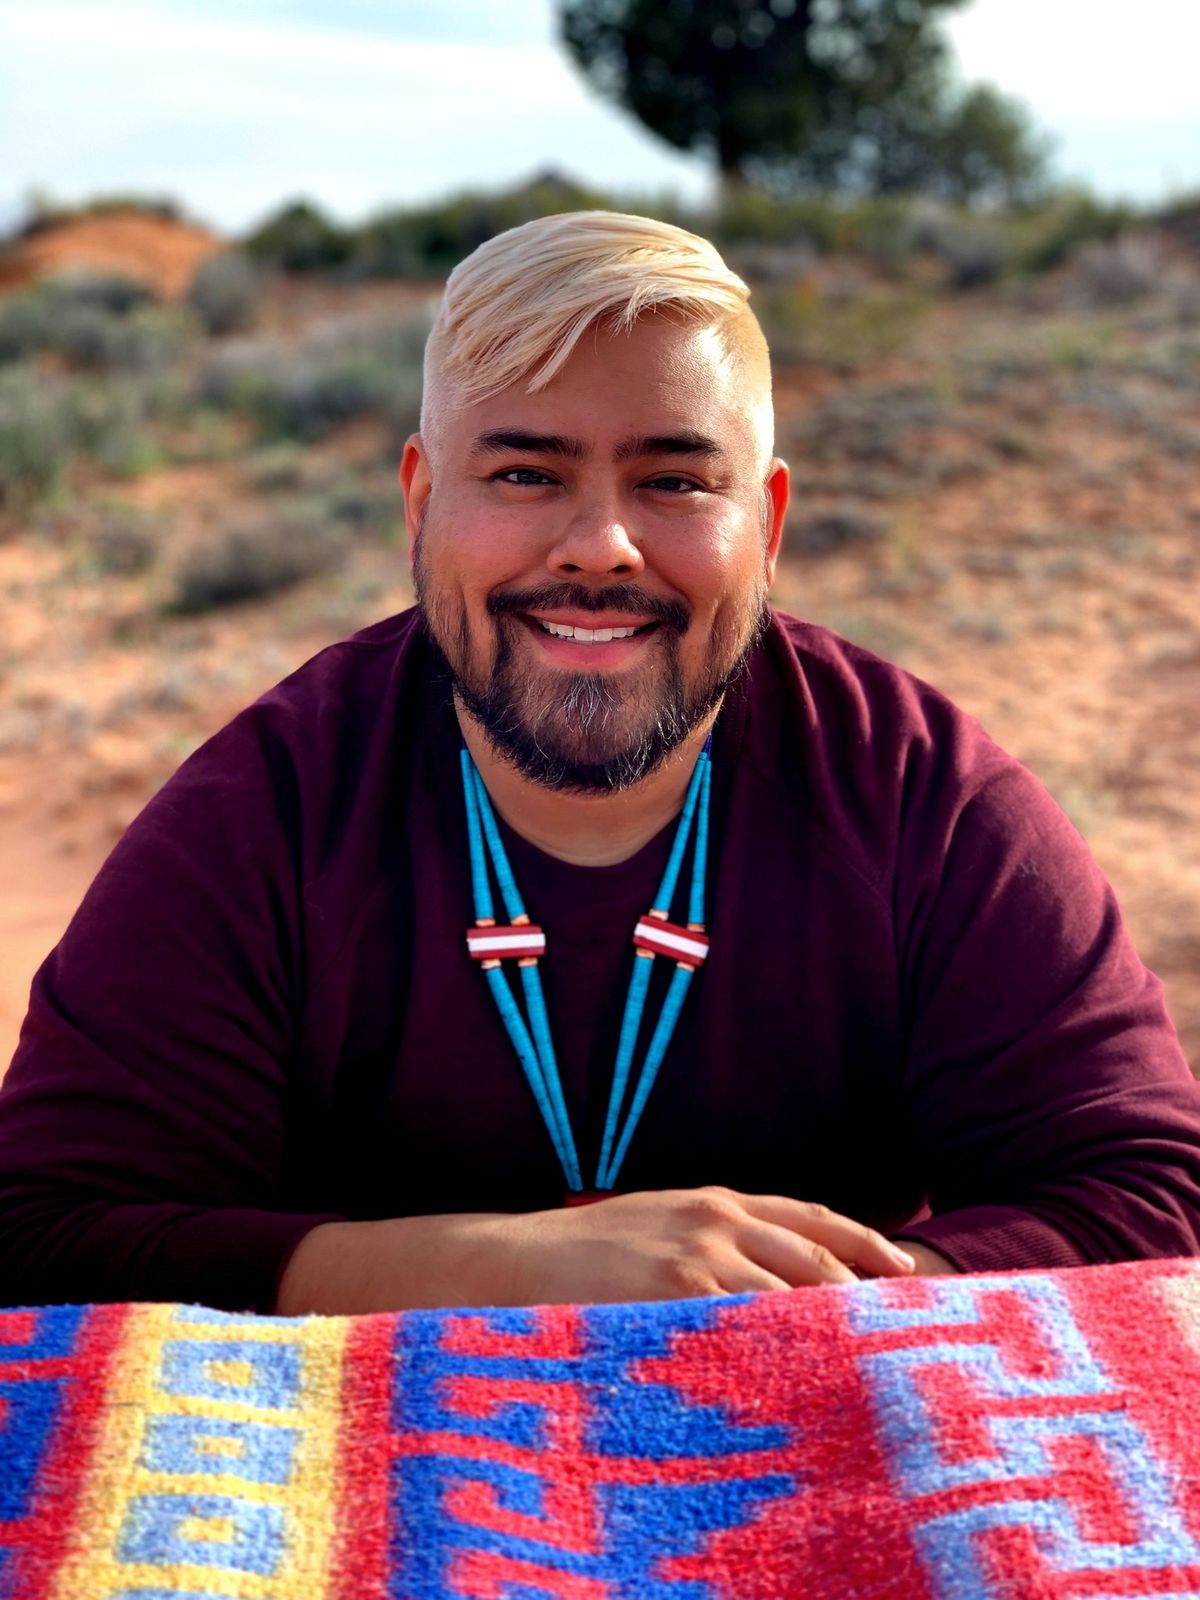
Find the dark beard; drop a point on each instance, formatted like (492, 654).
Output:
(563, 732)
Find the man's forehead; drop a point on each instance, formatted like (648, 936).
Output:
(660, 388)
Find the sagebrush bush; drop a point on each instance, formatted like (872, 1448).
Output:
(114, 292)
(94, 323)
(1119, 272)
(147, 340)
(225, 293)
(974, 252)
(259, 554)
(120, 541)
(1049, 235)
(38, 434)
(844, 333)
(345, 372)
(48, 420)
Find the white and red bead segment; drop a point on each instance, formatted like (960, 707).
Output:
(498, 944)
(667, 939)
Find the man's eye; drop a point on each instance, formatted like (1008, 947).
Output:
(523, 477)
(672, 484)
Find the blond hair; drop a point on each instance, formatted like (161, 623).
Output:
(519, 304)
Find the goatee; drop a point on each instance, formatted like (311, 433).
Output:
(586, 732)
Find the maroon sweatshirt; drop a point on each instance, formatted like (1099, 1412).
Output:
(263, 1015)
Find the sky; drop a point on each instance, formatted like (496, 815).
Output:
(234, 106)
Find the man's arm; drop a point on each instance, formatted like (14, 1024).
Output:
(142, 1119)
(1045, 1087)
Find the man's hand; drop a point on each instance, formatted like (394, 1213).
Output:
(677, 1244)
(673, 1244)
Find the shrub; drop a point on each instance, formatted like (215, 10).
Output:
(974, 252)
(25, 326)
(1117, 273)
(420, 241)
(752, 216)
(147, 340)
(299, 238)
(1048, 236)
(112, 418)
(100, 323)
(827, 532)
(114, 292)
(425, 241)
(842, 333)
(225, 293)
(347, 371)
(121, 542)
(48, 420)
(260, 554)
(38, 434)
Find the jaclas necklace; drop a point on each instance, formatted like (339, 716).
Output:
(523, 941)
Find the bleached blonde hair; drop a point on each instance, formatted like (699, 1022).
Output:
(519, 304)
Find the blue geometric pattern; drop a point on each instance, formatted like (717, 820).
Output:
(198, 1368)
(619, 1444)
(209, 1530)
(30, 1402)
(257, 1452)
(949, 1538)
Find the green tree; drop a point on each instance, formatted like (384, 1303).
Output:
(299, 238)
(851, 96)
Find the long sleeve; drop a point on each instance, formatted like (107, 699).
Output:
(142, 1119)
(1046, 1088)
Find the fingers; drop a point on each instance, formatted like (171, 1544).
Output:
(746, 1278)
(848, 1243)
(790, 1257)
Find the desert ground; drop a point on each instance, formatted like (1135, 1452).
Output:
(1000, 490)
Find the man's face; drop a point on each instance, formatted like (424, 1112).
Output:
(628, 500)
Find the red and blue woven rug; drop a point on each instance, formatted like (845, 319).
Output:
(1010, 1435)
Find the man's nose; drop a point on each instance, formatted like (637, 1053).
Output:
(597, 541)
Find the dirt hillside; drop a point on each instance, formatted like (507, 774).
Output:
(158, 251)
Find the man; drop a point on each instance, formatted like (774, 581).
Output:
(353, 1008)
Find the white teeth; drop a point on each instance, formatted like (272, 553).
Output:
(563, 630)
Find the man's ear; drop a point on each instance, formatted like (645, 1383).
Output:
(778, 491)
(416, 480)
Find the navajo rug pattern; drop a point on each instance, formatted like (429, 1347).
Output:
(1006, 1435)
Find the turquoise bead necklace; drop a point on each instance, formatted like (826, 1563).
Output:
(520, 939)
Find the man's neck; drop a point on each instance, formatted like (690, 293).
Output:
(586, 830)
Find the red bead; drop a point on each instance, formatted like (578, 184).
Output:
(498, 944)
(669, 939)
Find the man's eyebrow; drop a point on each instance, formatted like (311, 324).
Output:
(687, 443)
(499, 441)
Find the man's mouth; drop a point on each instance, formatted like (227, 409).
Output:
(567, 630)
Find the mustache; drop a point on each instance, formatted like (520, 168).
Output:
(626, 598)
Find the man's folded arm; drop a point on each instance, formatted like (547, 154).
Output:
(142, 1119)
(1046, 1091)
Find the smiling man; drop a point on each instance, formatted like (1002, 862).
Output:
(590, 879)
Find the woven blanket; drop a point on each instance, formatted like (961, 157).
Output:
(1007, 1435)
